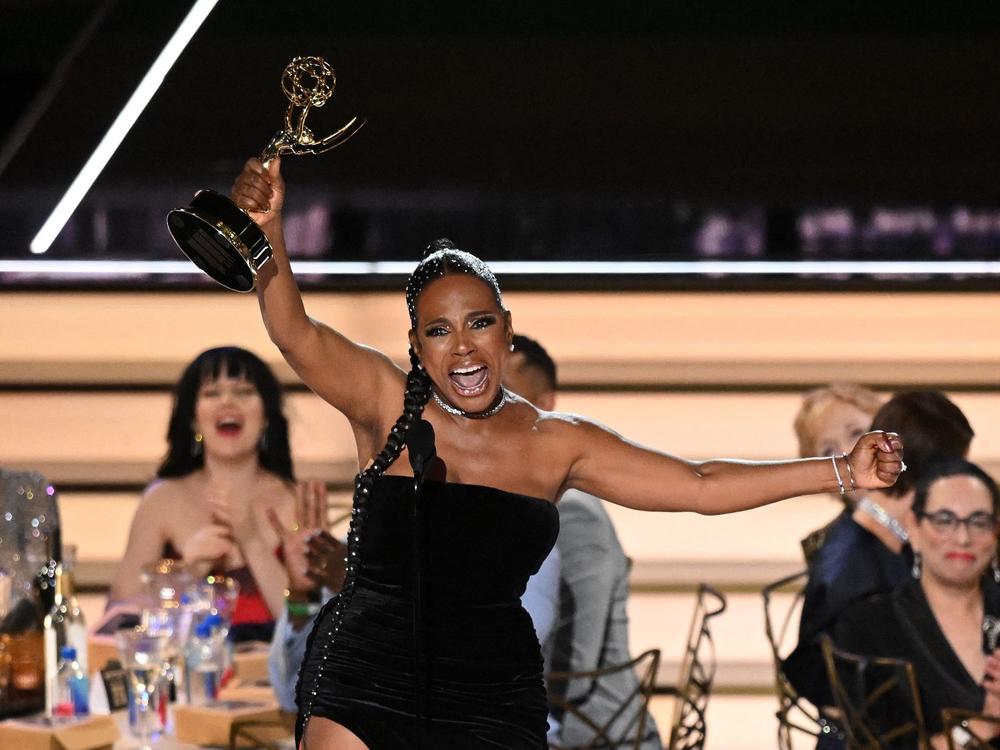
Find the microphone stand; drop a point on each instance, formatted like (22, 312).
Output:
(421, 453)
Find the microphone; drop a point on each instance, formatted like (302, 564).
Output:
(420, 447)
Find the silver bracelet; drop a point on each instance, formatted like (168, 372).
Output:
(836, 471)
(850, 472)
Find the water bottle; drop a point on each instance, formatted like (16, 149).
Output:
(206, 660)
(72, 693)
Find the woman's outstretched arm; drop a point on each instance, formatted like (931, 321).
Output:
(351, 377)
(613, 468)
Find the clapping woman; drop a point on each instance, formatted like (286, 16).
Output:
(227, 466)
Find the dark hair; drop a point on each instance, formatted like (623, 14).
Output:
(442, 258)
(273, 453)
(535, 355)
(954, 467)
(932, 428)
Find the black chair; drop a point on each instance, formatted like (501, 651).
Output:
(795, 714)
(626, 727)
(694, 687)
(878, 700)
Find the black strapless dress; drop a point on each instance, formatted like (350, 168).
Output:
(480, 677)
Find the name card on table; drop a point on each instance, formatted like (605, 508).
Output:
(40, 733)
(211, 724)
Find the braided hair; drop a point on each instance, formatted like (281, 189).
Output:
(440, 258)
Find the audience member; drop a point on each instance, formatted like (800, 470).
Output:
(946, 619)
(592, 627)
(832, 418)
(227, 465)
(865, 550)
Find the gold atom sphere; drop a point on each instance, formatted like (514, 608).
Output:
(308, 81)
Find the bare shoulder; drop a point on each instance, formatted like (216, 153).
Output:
(275, 491)
(564, 426)
(560, 434)
(164, 494)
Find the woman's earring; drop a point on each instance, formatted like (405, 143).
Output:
(512, 347)
(197, 444)
(915, 570)
(262, 443)
(996, 569)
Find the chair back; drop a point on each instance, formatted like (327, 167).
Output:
(968, 730)
(794, 714)
(624, 728)
(814, 541)
(688, 729)
(878, 700)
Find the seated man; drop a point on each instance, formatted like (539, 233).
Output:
(315, 562)
(592, 627)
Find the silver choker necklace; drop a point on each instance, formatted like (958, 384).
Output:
(876, 511)
(455, 411)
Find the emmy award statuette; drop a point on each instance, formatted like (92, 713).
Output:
(221, 238)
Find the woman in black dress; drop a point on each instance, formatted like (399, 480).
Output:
(946, 619)
(467, 672)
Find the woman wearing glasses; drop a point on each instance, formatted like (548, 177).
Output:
(946, 621)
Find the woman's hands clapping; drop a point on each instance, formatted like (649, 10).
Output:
(208, 545)
(876, 460)
(310, 552)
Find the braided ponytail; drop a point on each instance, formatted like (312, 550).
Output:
(415, 397)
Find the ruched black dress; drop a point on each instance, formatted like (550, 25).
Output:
(472, 666)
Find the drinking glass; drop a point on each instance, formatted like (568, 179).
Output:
(143, 653)
(166, 622)
(166, 581)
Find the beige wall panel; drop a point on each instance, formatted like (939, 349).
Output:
(737, 336)
(662, 621)
(97, 523)
(80, 426)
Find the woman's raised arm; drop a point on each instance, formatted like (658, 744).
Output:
(351, 377)
(615, 469)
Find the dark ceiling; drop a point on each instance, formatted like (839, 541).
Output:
(789, 101)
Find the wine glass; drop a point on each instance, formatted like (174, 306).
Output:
(166, 581)
(143, 653)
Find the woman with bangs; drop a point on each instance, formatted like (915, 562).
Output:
(426, 645)
(228, 468)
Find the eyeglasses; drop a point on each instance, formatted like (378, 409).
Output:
(980, 523)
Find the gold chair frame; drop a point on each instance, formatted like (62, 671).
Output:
(857, 701)
(967, 721)
(645, 666)
(795, 713)
(694, 686)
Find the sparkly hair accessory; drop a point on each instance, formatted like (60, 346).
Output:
(441, 258)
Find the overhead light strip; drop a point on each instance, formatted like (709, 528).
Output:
(121, 126)
(125, 268)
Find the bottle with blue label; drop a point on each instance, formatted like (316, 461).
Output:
(72, 687)
(205, 662)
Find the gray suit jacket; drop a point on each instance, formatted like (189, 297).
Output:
(592, 626)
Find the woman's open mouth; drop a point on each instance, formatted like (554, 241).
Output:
(470, 381)
(229, 427)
